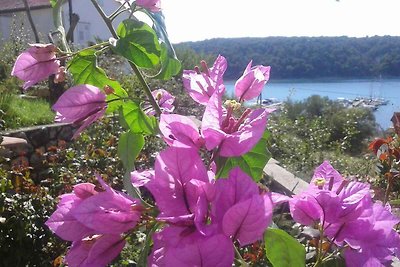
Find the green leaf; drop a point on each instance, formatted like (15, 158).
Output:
(170, 66)
(144, 253)
(84, 70)
(252, 163)
(138, 43)
(283, 250)
(136, 120)
(129, 147)
(53, 3)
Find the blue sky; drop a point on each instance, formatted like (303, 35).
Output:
(194, 20)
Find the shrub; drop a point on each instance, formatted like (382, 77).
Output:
(307, 132)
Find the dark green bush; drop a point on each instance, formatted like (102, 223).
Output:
(306, 133)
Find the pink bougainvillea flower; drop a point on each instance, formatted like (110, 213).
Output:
(201, 85)
(180, 131)
(243, 213)
(203, 216)
(234, 137)
(62, 222)
(251, 83)
(108, 212)
(350, 218)
(329, 199)
(164, 100)
(36, 64)
(182, 246)
(141, 178)
(86, 212)
(172, 176)
(60, 75)
(152, 5)
(81, 104)
(371, 238)
(96, 250)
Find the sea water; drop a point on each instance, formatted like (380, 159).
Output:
(297, 90)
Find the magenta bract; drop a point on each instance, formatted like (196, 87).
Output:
(152, 5)
(244, 214)
(94, 222)
(201, 212)
(81, 104)
(108, 212)
(141, 178)
(251, 83)
(234, 137)
(164, 100)
(36, 64)
(173, 172)
(349, 217)
(372, 238)
(62, 222)
(201, 85)
(181, 247)
(180, 131)
(94, 251)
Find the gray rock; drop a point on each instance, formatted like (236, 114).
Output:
(39, 137)
(53, 131)
(66, 133)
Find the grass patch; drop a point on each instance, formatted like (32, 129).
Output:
(21, 112)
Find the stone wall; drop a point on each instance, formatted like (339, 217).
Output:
(43, 143)
(32, 155)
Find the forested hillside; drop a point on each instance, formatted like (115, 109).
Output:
(308, 57)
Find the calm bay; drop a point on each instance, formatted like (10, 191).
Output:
(388, 89)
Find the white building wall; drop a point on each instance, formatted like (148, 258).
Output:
(17, 24)
(90, 26)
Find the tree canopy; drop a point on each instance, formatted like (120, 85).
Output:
(308, 57)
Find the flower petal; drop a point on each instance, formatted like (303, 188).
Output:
(247, 220)
(237, 187)
(98, 251)
(248, 134)
(32, 71)
(79, 102)
(251, 83)
(64, 224)
(180, 131)
(179, 247)
(173, 171)
(108, 213)
(142, 178)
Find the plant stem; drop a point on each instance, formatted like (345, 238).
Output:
(320, 243)
(147, 89)
(71, 54)
(239, 258)
(119, 10)
(126, 98)
(135, 69)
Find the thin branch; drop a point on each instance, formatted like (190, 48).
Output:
(30, 19)
(116, 12)
(135, 69)
(114, 15)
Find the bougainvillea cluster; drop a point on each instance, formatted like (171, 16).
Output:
(205, 210)
(344, 213)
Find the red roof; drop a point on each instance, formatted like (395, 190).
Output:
(9, 6)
